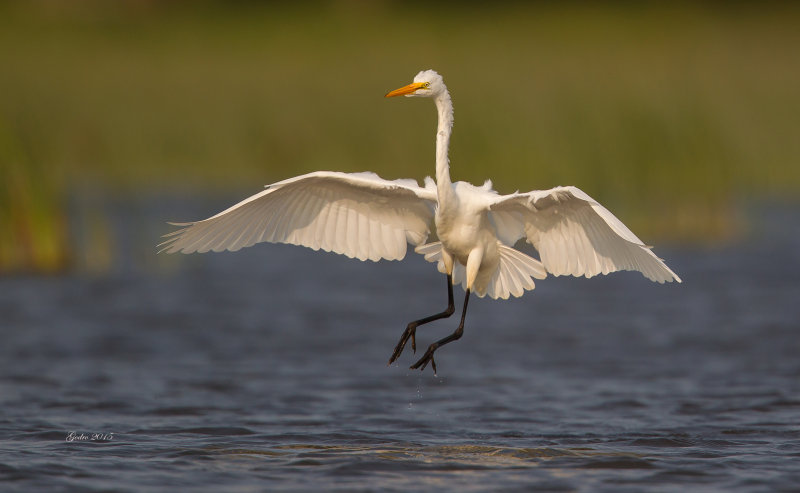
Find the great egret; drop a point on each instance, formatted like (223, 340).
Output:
(364, 216)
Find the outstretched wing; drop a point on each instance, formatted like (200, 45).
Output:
(574, 234)
(359, 215)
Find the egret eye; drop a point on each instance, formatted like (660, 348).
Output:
(426, 85)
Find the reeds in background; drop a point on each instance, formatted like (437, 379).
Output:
(34, 227)
(672, 116)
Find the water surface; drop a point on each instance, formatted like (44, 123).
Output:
(265, 370)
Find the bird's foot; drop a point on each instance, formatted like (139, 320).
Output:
(410, 332)
(426, 358)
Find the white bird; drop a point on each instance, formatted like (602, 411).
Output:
(364, 216)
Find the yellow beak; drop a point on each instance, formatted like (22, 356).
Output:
(405, 90)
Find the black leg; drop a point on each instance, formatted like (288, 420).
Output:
(428, 357)
(412, 327)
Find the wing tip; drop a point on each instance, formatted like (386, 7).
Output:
(169, 245)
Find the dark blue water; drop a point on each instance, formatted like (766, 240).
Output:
(265, 370)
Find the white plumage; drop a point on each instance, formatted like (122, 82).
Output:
(363, 216)
(359, 215)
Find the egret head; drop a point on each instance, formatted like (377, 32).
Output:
(427, 84)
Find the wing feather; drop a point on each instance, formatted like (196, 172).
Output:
(577, 236)
(298, 235)
(363, 237)
(287, 213)
(355, 214)
(387, 239)
(352, 232)
(239, 237)
(376, 239)
(336, 228)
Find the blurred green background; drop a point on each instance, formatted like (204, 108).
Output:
(673, 116)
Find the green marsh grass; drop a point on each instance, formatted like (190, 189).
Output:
(670, 116)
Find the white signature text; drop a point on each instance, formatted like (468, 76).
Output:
(74, 436)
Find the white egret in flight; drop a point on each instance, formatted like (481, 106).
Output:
(364, 216)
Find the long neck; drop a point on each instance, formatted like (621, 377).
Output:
(444, 107)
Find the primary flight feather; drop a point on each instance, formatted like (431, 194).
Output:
(363, 216)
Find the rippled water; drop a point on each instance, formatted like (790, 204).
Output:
(266, 370)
